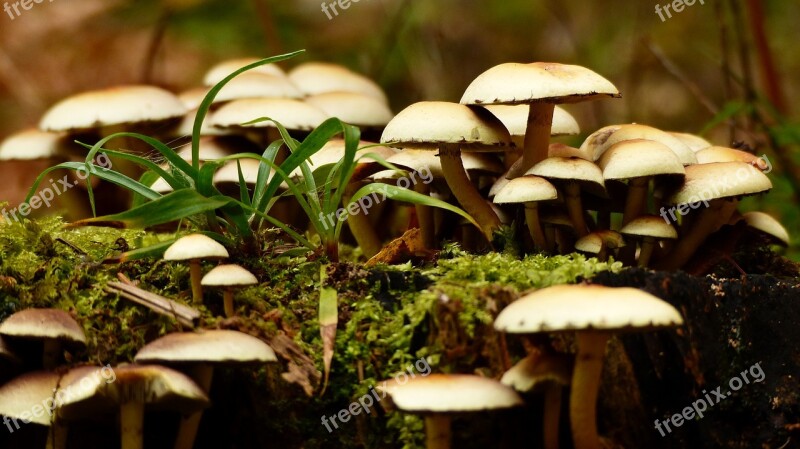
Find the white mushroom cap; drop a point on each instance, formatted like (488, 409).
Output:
(535, 370)
(30, 144)
(257, 85)
(604, 138)
(569, 169)
(450, 393)
(596, 241)
(427, 124)
(586, 307)
(228, 276)
(639, 158)
(319, 77)
(515, 119)
(195, 246)
(695, 142)
(650, 226)
(113, 106)
(717, 180)
(724, 154)
(209, 346)
(225, 68)
(53, 324)
(768, 225)
(20, 397)
(526, 189)
(353, 108)
(292, 114)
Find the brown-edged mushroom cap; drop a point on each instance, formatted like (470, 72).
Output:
(648, 229)
(229, 277)
(319, 77)
(226, 347)
(193, 248)
(605, 138)
(56, 328)
(724, 154)
(113, 106)
(225, 68)
(449, 393)
(599, 242)
(717, 180)
(451, 128)
(768, 225)
(356, 109)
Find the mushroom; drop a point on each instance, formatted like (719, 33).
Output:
(515, 119)
(530, 190)
(22, 399)
(367, 112)
(451, 128)
(320, 77)
(229, 277)
(221, 71)
(594, 312)
(549, 372)
(649, 229)
(718, 186)
(599, 243)
(604, 138)
(559, 231)
(438, 396)
(55, 328)
(195, 247)
(200, 352)
(134, 388)
(540, 85)
(570, 174)
(694, 142)
(257, 85)
(769, 226)
(724, 154)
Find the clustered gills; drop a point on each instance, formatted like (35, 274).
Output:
(633, 192)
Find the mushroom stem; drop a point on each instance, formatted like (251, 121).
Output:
(361, 226)
(637, 198)
(196, 277)
(465, 192)
(572, 191)
(552, 412)
(187, 432)
(437, 429)
(537, 136)
(585, 386)
(227, 298)
(132, 418)
(51, 353)
(57, 436)
(427, 225)
(708, 222)
(535, 226)
(647, 247)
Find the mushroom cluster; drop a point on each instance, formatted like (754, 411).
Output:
(55, 388)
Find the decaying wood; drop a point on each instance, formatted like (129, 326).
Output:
(186, 315)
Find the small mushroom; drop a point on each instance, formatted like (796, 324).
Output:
(599, 243)
(55, 328)
(314, 78)
(649, 229)
(438, 396)
(594, 313)
(296, 116)
(223, 69)
(367, 112)
(229, 277)
(194, 248)
(530, 190)
(22, 398)
(200, 352)
(769, 226)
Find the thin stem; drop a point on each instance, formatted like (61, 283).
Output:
(196, 276)
(636, 199)
(227, 298)
(427, 226)
(187, 432)
(572, 191)
(132, 427)
(465, 192)
(535, 226)
(705, 225)
(646, 252)
(361, 226)
(552, 415)
(437, 429)
(537, 135)
(585, 386)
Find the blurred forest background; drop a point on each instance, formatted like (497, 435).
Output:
(724, 68)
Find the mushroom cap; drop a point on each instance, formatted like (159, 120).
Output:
(113, 106)
(650, 226)
(449, 393)
(724, 154)
(192, 97)
(53, 324)
(695, 142)
(417, 160)
(225, 68)
(427, 124)
(603, 139)
(209, 346)
(767, 224)
(257, 85)
(584, 307)
(333, 151)
(569, 169)
(595, 242)
(154, 385)
(526, 189)
(292, 114)
(515, 119)
(717, 180)
(26, 392)
(637, 158)
(535, 370)
(230, 275)
(314, 78)
(514, 83)
(353, 108)
(195, 246)
(186, 126)
(30, 144)
(562, 150)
